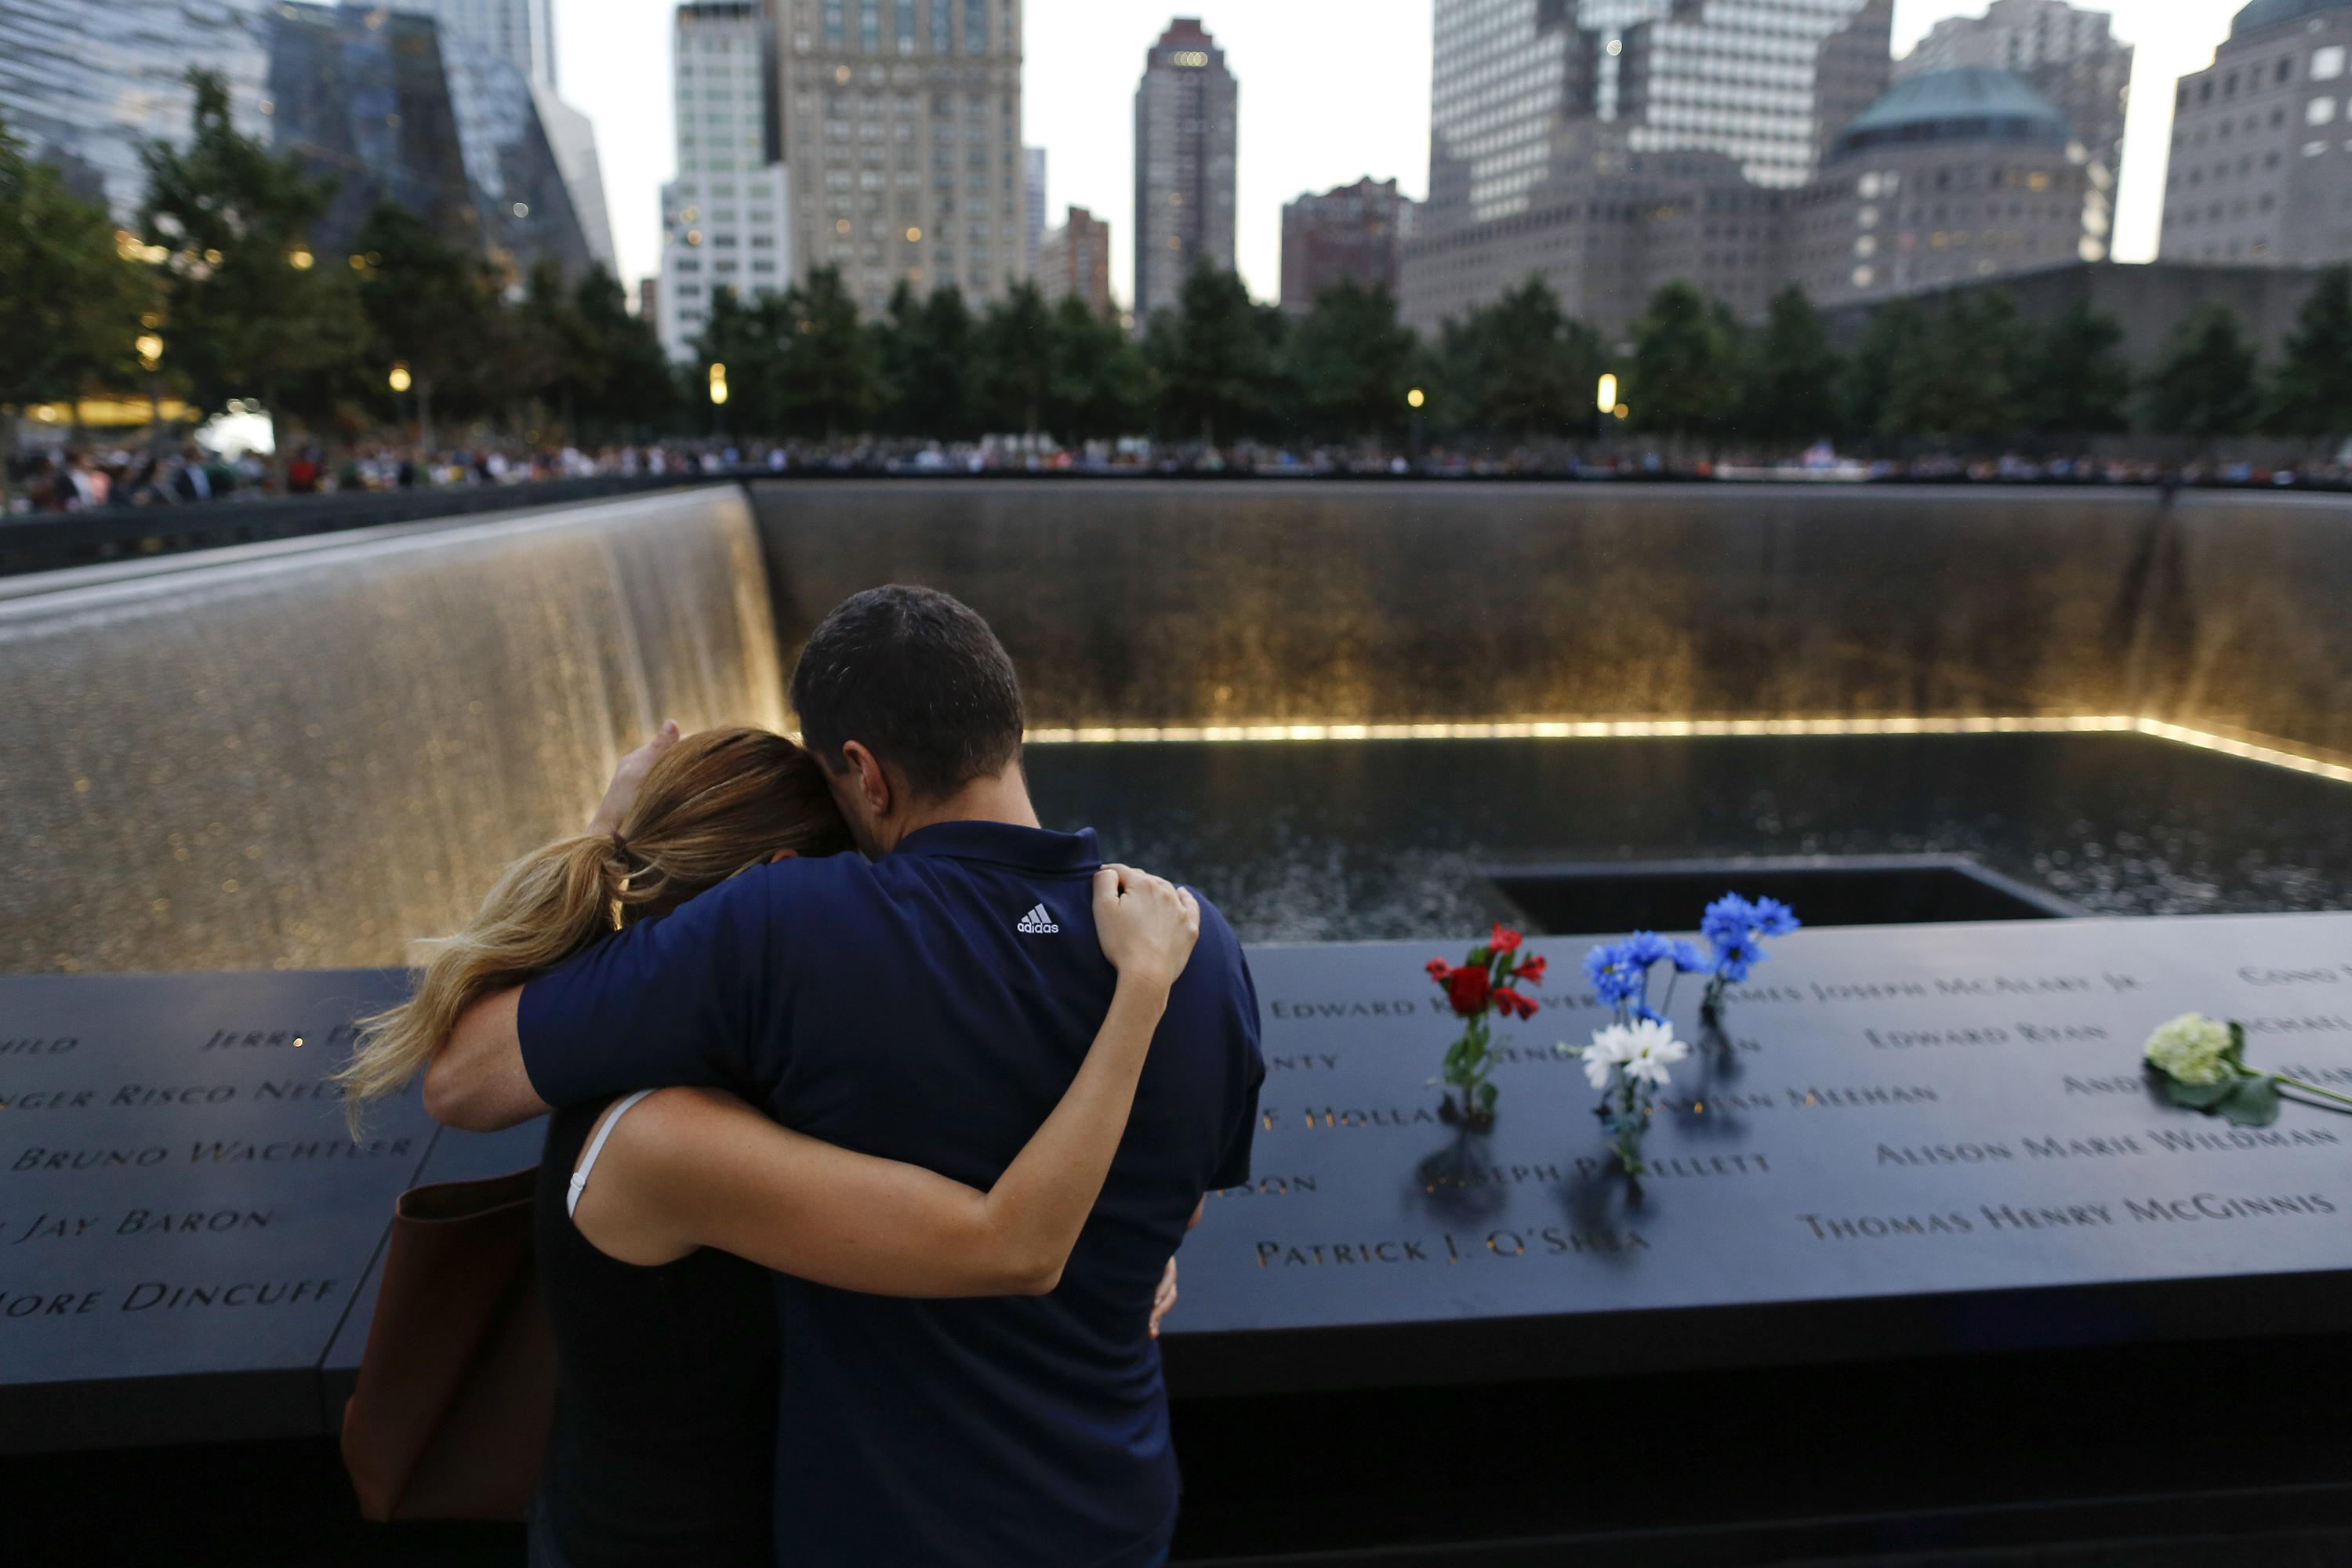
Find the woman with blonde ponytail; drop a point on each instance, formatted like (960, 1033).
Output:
(656, 1274)
(709, 805)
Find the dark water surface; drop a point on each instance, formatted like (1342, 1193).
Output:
(1319, 841)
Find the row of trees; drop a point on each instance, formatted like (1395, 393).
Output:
(1963, 371)
(219, 296)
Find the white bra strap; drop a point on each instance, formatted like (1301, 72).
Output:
(596, 1147)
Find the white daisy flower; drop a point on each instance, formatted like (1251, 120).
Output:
(1650, 1050)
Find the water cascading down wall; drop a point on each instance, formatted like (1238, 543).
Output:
(307, 755)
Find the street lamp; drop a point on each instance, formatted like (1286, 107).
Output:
(399, 380)
(1414, 398)
(150, 344)
(1604, 398)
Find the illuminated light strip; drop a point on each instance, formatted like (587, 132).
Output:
(1669, 729)
(2277, 757)
(1575, 729)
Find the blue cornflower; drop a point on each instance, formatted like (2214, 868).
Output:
(1735, 958)
(1688, 959)
(1614, 976)
(1729, 918)
(1644, 1013)
(1644, 948)
(1772, 918)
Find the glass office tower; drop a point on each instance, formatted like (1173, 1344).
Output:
(368, 98)
(85, 82)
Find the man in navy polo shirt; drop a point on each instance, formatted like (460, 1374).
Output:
(929, 1004)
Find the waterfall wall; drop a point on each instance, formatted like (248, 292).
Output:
(1189, 604)
(304, 754)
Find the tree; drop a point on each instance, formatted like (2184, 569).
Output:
(924, 353)
(2204, 385)
(1961, 384)
(250, 309)
(2312, 394)
(71, 301)
(1213, 358)
(1352, 363)
(633, 394)
(1685, 370)
(1099, 386)
(747, 340)
(2074, 381)
(1894, 338)
(430, 308)
(1789, 376)
(1519, 367)
(1016, 360)
(825, 381)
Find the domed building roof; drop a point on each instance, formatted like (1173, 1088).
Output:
(2264, 14)
(1969, 103)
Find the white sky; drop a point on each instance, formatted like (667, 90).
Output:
(1330, 90)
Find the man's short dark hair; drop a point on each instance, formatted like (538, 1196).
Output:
(916, 676)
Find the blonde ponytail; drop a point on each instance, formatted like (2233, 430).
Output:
(716, 803)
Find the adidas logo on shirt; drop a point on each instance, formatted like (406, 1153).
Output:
(1037, 922)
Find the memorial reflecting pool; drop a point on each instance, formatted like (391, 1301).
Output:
(1319, 841)
(301, 754)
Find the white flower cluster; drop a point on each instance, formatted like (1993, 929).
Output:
(1644, 1049)
(2191, 1048)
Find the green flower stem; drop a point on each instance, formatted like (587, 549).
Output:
(2302, 1088)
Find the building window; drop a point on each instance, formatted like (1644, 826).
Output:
(975, 26)
(2327, 64)
(2319, 112)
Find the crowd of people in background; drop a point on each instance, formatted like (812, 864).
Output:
(83, 479)
(74, 479)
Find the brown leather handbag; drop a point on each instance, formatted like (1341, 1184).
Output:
(456, 1388)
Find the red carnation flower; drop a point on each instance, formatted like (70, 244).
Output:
(1466, 988)
(1505, 938)
(1509, 1003)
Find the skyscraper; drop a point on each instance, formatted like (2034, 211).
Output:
(726, 218)
(2262, 142)
(901, 128)
(1572, 139)
(1074, 259)
(1032, 193)
(86, 82)
(2068, 55)
(522, 34)
(574, 137)
(1349, 234)
(1185, 156)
